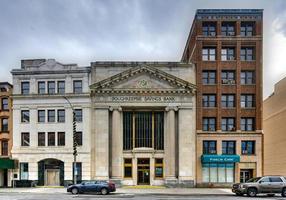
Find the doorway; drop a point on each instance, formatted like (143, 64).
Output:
(52, 177)
(50, 172)
(245, 175)
(143, 171)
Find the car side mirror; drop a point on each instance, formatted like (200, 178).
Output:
(260, 182)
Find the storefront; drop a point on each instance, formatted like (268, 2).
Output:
(6, 165)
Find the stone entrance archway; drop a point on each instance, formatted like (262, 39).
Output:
(51, 172)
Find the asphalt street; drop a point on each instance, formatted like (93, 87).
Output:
(32, 196)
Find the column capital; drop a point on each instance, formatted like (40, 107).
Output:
(112, 108)
(168, 108)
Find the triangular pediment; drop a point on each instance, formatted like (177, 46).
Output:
(143, 79)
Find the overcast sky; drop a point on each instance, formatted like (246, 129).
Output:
(82, 31)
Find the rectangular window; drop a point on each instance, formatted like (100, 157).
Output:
(61, 139)
(209, 124)
(5, 104)
(61, 115)
(228, 147)
(4, 124)
(209, 77)
(247, 77)
(77, 86)
(247, 147)
(228, 77)
(25, 88)
(228, 28)
(247, 100)
(247, 124)
(159, 130)
(143, 129)
(51, 87)
(25, 116)
(227, 53)
(78, 115)
(41, 87)
(159, 168)
(4, 147)
(51, 139)
(24, 171)
(25, 139)
(41, 139)
(209, 100)
(209, 147)
(51, 115)
(127, 167)
(218, 172)
(209, 28)
(247, 54)
(247, 29)
(228, 124)
(41, 115)
(228, 100)
(209, 54)
(127, 130)
(61, 87)
(79, 138)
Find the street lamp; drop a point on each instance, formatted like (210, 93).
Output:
(74, 141)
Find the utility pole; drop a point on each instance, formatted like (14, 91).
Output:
(74, 141)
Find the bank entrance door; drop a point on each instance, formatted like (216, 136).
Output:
(143, 171)
(52, 177)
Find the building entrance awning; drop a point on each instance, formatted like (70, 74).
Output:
(6, 163)
(220, 158)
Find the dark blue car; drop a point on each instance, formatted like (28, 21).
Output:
(102, 187)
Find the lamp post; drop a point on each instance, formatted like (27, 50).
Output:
(74, 141)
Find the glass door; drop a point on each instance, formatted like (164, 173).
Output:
(143, 171)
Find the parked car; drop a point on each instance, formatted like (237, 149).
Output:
(269, 185)
(102, 187)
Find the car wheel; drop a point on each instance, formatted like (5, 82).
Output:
(104, 191)
(271, 195)
(74, 191)
(252, 192)
(284, 192)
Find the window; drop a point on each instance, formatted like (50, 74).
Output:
(247, 54)
(4, 124)
(4, 147)
(228, 147)
(228, 77)
(41, 87)
(158, 167)
(228, 124)
(25, 88)
(25, 116)
(61, 115)
(209, 77)
(5, 104)
(61, 87)
(209, 147)
(51, 115)
(247, 124)
(247, 28)
(209, 28)
(209, 124)
(228, 28)
(51, 139)
(265, 180)
(24, 171)
(159, 130)
(25, 139)
(218, 172)
(78, 115)
(228, 100)
(41, 115)
(247, 100)
(78, 168)
(276, 179)
(61, 139)
(227, 53)
(51, 87)
(79, 138)
(209, 100)
(209, 53)
(77, 86)
(127, 167)
(247, 147)
(247, 77)
(41, 139)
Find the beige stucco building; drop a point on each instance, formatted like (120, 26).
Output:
(274, 126)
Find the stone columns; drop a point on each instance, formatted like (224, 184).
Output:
(117, 143)
(170, 147)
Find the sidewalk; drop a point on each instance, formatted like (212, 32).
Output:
(130, 191)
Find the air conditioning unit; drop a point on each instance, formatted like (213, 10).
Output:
(231, 81)
(224, 81)
(244, 152)
(213, 152)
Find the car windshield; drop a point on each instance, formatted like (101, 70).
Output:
(253, 180)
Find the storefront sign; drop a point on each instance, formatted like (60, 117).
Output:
(143, 99)
(220, 158)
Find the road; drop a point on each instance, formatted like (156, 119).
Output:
(33, 196)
